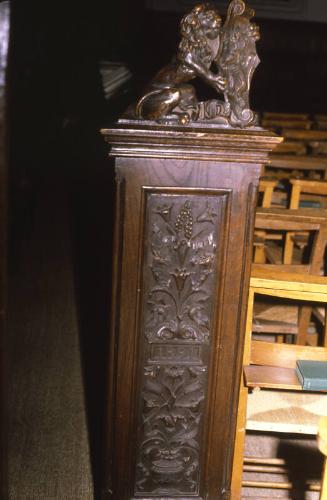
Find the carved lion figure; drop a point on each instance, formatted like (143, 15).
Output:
(169, 95)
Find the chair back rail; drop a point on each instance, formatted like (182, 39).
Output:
(284, 355)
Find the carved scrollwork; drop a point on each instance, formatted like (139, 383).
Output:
(181, 258)
(224, 56)
(238, 60)
(169, 453)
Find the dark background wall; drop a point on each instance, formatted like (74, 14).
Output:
(292, 75)
(56, 48)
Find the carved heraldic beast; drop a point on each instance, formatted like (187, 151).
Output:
(223, 56)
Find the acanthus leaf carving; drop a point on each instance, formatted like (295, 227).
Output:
(169, 452)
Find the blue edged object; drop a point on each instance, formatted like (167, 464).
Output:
(312, 374)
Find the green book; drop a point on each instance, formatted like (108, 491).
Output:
(312, 374)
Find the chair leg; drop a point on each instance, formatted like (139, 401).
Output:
(323, 492)
(259, 255)
(288, 248)
(237, 472)
(322, 444)
(324, 340)
(259, 251)
(304, 320)
(236, 488)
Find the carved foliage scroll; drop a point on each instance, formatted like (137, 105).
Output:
(180, 280)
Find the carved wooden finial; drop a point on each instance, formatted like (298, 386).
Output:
(207, 44)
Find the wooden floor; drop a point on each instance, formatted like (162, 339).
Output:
(58, 304)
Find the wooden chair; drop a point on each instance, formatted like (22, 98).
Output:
(314, 187)
(278, 121)
(279, 219)
(299, 187)
(277, 402)
(316, 140)
(266, 320)
(266, 189)
(288, 147)
(322, 444)
(287, 165)
(305, 135)
(285, 116)
(280, 124)
(320, 122)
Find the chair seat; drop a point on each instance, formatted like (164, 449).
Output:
(283, 411)
(267, 318)
(281, 319)
(271, 377)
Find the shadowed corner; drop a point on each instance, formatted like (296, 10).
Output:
(91, 221)
(304, 464)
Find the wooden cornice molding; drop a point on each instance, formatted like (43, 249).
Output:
(150, 140)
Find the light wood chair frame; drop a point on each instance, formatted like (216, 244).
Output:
(293, 163)
(266, 187)
(297, 220)
(291, 286)
(301, 186)
(322, 444)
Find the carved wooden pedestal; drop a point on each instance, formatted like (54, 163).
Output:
(185, 206)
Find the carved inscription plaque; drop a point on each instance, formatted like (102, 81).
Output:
(183, 239)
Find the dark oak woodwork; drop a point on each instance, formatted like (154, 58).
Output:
(184, 221)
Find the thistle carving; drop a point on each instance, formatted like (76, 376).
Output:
(222, 55)
(182, 258)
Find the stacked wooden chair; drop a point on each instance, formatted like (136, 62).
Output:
(293, 121)
(266, 189)
(314, 141)
(271, 399)
(320, 122)
(302, 135)
(312, 192)
(303, 153)
(284, 166)
(279, 121)
(302, 192)
(285, 319)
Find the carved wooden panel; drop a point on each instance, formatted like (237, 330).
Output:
(184, 236)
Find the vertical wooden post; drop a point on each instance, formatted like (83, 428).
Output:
(185, 210)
